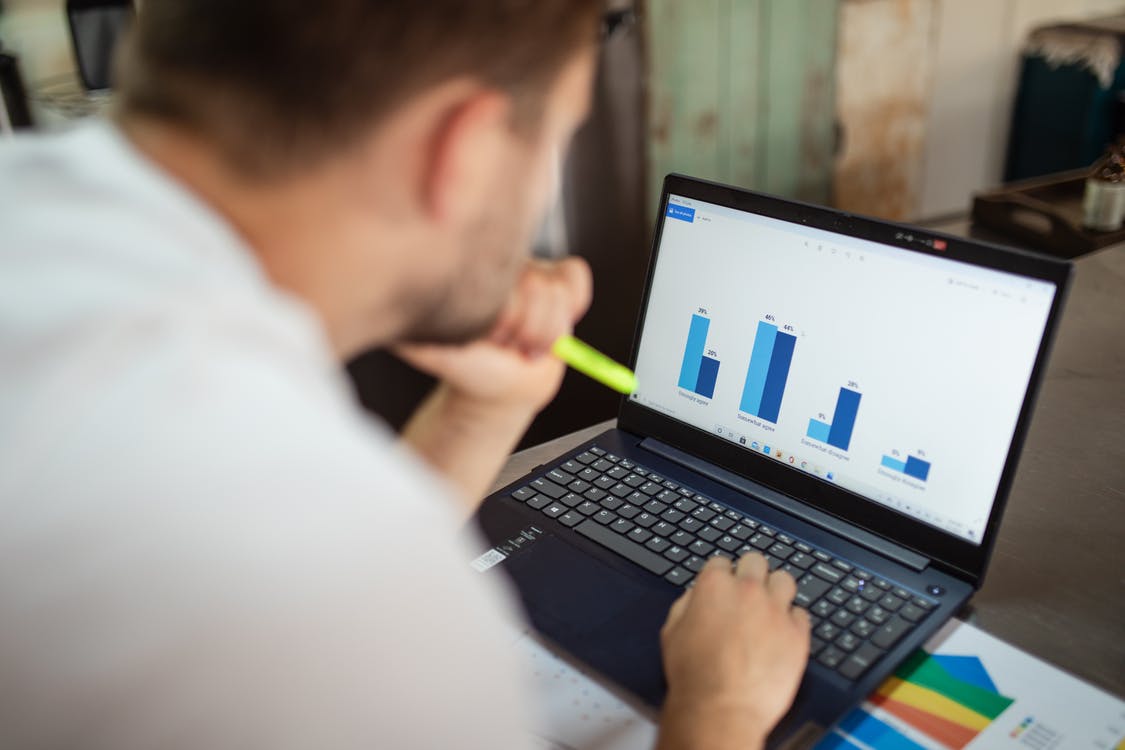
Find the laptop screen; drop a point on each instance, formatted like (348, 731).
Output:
(896, 375)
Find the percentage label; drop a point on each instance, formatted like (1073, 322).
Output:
(853, 384)
(712, 353)
(771, 318)
(703, 311)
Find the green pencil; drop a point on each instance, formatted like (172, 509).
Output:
(592, 363)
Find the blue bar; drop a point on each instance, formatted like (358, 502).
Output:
(683, 213)
(818, 430)
(693, 352)
(759, 366)
(776, 376)
(864, 727)
(708, 373)
(834, 741)
(843, 420)
(894, 464)
(917, 468)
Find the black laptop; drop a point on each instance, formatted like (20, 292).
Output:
(844, 395)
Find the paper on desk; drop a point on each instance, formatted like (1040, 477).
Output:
(967, 689)
(964, 690)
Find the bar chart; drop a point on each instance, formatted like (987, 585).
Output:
(698, 371)
(913, 466)
(768, 372)
(838, 432)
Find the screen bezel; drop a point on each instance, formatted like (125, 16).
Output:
(953, 554)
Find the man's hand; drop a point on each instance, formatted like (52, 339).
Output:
(734, 651)
(491, 389)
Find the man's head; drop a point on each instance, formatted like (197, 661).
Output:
(419, 136)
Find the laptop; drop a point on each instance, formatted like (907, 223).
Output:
(847, 396)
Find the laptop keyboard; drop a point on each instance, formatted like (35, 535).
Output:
(671, 530)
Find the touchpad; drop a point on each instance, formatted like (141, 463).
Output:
(565, 589)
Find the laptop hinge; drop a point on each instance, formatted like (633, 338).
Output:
(823, 520)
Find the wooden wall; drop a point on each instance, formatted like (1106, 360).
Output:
(742, 91)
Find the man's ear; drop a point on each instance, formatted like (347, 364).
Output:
(467, 154)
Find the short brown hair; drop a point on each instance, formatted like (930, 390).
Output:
(280, 84)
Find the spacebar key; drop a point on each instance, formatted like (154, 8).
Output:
(606, 537)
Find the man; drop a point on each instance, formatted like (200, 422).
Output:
(204, 542)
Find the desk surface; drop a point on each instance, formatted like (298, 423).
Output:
(1056, 584)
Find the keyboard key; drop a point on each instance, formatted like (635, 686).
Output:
(785, 539)
(634, 480)
(831, 657)
(827, 573)
(729, 543)
(883, 584)
(570, 518)
(761, 541)
(860, 661)
(572, 466)
(695, 563)
(815, 645)
(839, 596)
(636, 497)
(601, 465)
(722, 523)
(627, 511)
(890, 633)
(587, 508)
(620, 490)
(803, 547)
(672, 515)
(822, 556)
(523, 494)
(857, 605)
(605, 517)
(703, 514)
(901, 593)
(617, 473)
(848, 642)
(611, 457)
(655, 507)
(871, 593)
(560, 476)
(912, 613)
(622, 526)
(801, 560)
(763, 529)
(809, 589)
(586, 458)
(823, 608)
(648, 560)
(554, 510)
(741, 531)
(657, 543)
(588, 474)
(691, 524)
(683, 490)
(604, 483)
(663, 528)
(842, 618)
(626, 463)
(878, 615)
(922, 603)
(862, 575)
(721, 553)
(594, 494)
(578, 485)
(548, 488)
(685, 506)
(570, 500)
(841, 565)
(709, 534)
(851, 584)
(827, 631)
(782, 551)
(863, 628)
(651, 488)
(682, 538)
(890, 602)
(612, 503)
(676, 553)
(538, 502)
(645, 519)
(597, 451)
(678, 576)
(639, 535)
(701, 548)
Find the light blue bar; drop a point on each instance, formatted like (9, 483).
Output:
(895, 464)
(693, 352)
(818, 430)
(759, 368)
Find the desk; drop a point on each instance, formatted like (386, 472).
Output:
(1056, 584)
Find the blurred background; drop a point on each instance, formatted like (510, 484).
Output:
(901, 109)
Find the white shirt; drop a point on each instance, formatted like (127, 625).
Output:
(204, 542)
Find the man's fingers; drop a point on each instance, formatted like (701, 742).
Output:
(580, 284)
(752, 566)
(781, 586)
(677, 610)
